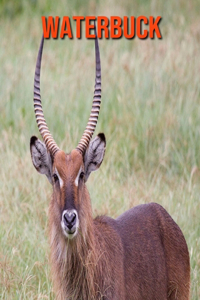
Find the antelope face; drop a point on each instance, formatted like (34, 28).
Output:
(68, 173)
(68, 181)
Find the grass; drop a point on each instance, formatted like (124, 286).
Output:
(150, 115)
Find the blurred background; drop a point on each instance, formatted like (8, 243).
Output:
(150, 115)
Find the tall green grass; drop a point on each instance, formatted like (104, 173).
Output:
(150, 115)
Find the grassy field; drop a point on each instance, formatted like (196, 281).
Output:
(150, 115)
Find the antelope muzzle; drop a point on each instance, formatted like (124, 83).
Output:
(70, 223)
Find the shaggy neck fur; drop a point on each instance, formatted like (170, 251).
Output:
(77, 264)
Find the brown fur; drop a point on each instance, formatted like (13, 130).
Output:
(140, 255)
(78, 264)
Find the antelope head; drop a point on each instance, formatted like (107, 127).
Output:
(68, 172)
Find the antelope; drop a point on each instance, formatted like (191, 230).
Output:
(140, 255)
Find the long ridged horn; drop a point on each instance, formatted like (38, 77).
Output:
(42, 125)
(92, 122)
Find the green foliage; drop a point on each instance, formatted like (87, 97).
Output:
(150, 115)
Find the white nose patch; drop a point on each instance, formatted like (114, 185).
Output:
(70, 212)
(77, 177)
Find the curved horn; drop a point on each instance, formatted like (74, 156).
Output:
(92, 122)
(42, 125)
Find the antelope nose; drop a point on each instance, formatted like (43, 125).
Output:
(69, 219)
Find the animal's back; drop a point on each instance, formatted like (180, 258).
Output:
(156, 258)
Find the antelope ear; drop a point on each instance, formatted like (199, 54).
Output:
(94, 154)
(41, 157)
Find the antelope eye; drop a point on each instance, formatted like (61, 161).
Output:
(55, 177)
(82, 175)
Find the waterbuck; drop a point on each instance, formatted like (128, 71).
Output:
(141, 255)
